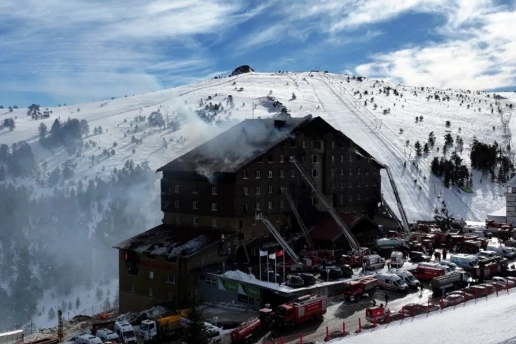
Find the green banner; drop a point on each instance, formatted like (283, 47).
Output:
(230, 285)
(251, 290)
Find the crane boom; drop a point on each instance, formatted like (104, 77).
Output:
(306, 235)
(404, 219)
(278, 237)
(349, 236)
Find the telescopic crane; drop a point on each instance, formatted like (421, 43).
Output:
(306, 235)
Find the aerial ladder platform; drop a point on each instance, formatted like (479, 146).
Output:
(304, 230)
(278, 237)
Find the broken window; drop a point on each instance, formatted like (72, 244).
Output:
(315, 201)
(240, 223)
(315, 173)
(271, 158)
(244, 208)
(314, 159)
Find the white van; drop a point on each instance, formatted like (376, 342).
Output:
(501, 251)
(373, 261)
(125, 332)
(106, 335)
(397, 259)
(391, 282)
(487, 254)
(84, 338)
(465, 261)
(407, 277)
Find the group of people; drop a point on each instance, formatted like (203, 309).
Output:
(437, 254)
(386, 297)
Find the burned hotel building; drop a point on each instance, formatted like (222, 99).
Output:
(211, 195)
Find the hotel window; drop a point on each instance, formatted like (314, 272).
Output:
(332, 144)
(350, 184)
(245, 208)
(314, 159)
(341, 199)
(150, 291)
(253, 221)
(270, 205)
(366, 171)
(341, 171)
(211, 281)
(358, 170)
(358, 184)
(151, 274)
(314, 173)
(281, 174)
(171, 279)
(260, 160)
(281, 204)
(214, 223)
(195, 190)
(257, 191)
(281, 158)
(195, 220)
(350, 171)
(374, 182)
(170, 296)
(257, 174)
(342, 158)
(292, 174)
(270, 174)
(342, 185)
(132, 288)
(240, 223)
(271, 159)
(333, 158)
(258, 207)
(244, 174)
(176, 204)
(303, 158)
(358, 197)
(214, 206)
(332, 185)
(332, 172)
(269, 189)
(350, 198)
(317, 144)
(315, 201)
(291, 158)
(277, 218)
(366, 183)
(350, 158)
(246, 191)
(213, 190)
(292, 143)
(303, 145)
(194, 205)
(176, 188)
(178, 220)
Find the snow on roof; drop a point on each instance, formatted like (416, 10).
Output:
(485, 322)
(511, 182)
(500, 212)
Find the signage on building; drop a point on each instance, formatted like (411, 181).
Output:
(249, 290)
(155, 265)
(228, 285)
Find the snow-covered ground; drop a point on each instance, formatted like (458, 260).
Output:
(330, 96)
(89, 303)
(487, 322)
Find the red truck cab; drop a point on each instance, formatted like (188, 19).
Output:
(427, 273)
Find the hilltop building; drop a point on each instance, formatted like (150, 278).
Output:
(211, 196)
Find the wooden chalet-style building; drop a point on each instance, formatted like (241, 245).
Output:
(220, 186)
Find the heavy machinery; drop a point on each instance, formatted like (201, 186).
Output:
(162, 328)
(451, 281)
(252, 327)
(489, 267)
(300, 310)
(354, 290)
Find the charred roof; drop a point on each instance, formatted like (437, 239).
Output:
(239, 145)
(172, 241)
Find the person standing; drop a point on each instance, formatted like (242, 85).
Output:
(386, 297)
(445, 252)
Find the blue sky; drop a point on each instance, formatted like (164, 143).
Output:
(70, 51)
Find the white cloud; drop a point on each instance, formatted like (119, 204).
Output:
(90, 49)
(482, 57)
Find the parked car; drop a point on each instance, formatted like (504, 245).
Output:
(294, 281)
(333, 273)
(308, 278)
(416, 257)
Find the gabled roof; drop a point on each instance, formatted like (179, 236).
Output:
(239, 145)
(512, 182)
(236, 146)
(171, 241)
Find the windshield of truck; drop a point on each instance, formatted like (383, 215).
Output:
(144, 327)
(129, 334)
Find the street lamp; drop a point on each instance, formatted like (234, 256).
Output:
(327, 274)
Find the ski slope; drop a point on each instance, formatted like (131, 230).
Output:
(330, 96)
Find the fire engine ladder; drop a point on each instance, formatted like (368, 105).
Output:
(278, 237)
(306, 235)
(391, 212)
(398, 202)
(355, 246)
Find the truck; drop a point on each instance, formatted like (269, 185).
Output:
(125, 332)
(245, 332)
(108, 324)
(354, 290)
(107, 335)
(427, 273)
(392, 244)
(451, 281)
(162, 328)
(375, 314)
(487, 268)
(397, 259)
(300, 310)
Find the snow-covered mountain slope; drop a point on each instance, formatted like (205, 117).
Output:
(340, 101)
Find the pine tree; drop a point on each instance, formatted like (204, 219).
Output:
(99, 293)
(2, 173)
(42, 129)
(51, 313)
(77, 302)
(196, 332)
(417, 146)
